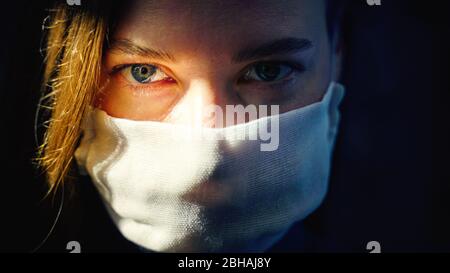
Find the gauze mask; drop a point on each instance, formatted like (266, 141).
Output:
(215, 193)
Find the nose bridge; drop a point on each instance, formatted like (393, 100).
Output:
(209, 79)
(210, 97)
(204, 97)
(211, 92)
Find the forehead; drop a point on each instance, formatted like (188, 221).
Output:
(220, 24)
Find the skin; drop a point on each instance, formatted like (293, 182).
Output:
(203, 39)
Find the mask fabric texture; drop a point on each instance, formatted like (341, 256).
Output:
(211, 194)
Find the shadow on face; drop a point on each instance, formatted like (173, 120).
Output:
(170, 57)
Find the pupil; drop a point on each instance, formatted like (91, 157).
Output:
(142, 73)
(268, 72)
(144, 70)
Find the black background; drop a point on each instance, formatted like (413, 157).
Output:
(390, 180)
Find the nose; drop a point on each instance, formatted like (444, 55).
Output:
(204, 104)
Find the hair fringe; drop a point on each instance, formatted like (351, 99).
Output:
(71, 78)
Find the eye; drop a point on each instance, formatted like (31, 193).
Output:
(144, 73)
(268, 72)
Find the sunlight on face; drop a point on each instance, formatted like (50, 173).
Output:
(165, 55)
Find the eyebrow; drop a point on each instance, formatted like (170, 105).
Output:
(282, 46)
(128, 47)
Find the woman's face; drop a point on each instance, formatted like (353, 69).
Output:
(169, 55)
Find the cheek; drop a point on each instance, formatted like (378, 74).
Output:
(317, 79)
(322, 75)
(312, 84)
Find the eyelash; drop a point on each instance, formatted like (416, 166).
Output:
(295, 66)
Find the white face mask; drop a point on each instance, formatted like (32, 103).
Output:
(212, 194)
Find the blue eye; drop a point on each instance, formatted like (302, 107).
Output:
(268, 72)
(143, 73)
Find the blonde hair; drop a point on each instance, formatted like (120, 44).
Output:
(73, 57)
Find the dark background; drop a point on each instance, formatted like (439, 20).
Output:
(390, 179)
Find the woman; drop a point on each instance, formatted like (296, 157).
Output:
(126, 80)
